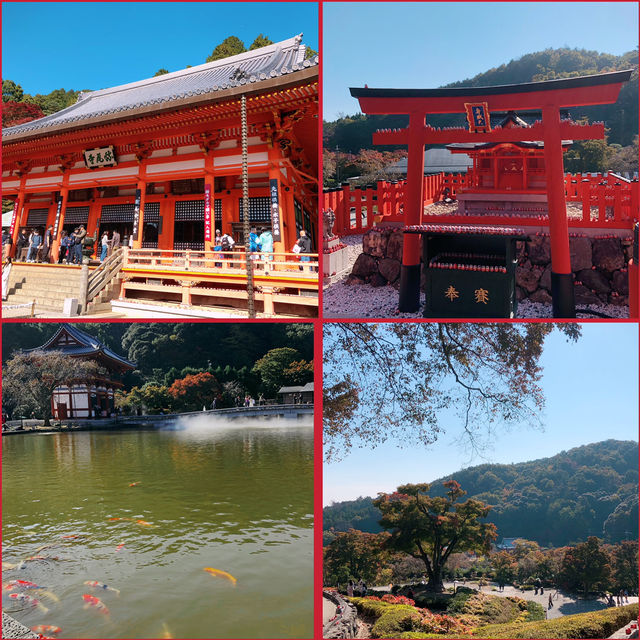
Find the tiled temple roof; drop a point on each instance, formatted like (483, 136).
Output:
(249, 68)
(88, 345)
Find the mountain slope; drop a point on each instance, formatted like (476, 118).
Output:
(589, 490)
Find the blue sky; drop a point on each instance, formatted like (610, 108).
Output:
(591, 388)
(429, 44)
(94, 45)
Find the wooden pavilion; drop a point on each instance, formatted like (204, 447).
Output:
(160, 161)
(92, 398)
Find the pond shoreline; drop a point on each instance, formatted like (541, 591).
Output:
(289, 411)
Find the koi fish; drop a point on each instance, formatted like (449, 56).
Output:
(72, 537)
(8, 587)
(120, 546)
(100, 585)
(25, 584)
(165, 631)
(29, 600)
(45, 546)
(144, 523)
(46, 628)
(114, 519)
(134, 484)
(221, 574)
(92, 601)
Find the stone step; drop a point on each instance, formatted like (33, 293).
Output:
(100, 307)
(39, 288)
(47, 301)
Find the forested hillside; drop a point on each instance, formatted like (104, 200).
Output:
(586, 491)
(165, 352)
(353, 133)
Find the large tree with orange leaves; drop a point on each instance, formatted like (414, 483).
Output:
(431, 528)
(195, 390)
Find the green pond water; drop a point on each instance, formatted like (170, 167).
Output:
(235, 498)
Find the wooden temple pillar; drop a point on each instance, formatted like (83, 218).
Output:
(143, 151)
(61, 209)
(413, 206)
(275, 159)
(16, 220)
(562, 289)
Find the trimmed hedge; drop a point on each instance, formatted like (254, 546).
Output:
(597, 624)
(398, 619)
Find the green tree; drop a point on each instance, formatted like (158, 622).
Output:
(504, 568)
(11, 91)
(586, 567)
(230, 46)
(272, 366)
(161, 72)
(310, 53)
(260, 41)
(29, 379)
(401, 376)
(354, 555)
(625, 565)
(431, 528)
(56, 100)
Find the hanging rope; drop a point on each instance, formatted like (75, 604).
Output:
(245, 208)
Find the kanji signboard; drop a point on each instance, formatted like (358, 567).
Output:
(478, 117)
(207, 212)
(136, 215)
(275, 210)
(102, 157)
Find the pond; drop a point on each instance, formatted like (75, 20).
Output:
(234, 497)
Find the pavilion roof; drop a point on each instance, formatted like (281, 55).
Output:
(82, 344)
(252, 68)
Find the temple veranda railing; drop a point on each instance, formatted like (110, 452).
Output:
(101, 277)
(608, 202)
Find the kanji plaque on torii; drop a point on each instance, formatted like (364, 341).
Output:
(549, 96)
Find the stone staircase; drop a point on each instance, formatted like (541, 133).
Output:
(101, 304)
(47, 285)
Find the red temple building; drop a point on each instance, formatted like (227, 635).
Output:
(93, 398)
(507, 176)
(161, 162)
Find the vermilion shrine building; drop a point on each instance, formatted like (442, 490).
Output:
(92, 398)
(161, 160)
(551, 98)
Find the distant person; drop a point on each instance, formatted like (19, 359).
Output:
(104, 244)
(6, 243)
(65, 243)
(114, 242)
(48, 241)
(22, 245)
(213, 404)
(266, 245)
(254, 243)
(261, 399)
(550, 601)
(304, 242)
(350, 588)
(35, 240)
(81, 234)
(227, 242)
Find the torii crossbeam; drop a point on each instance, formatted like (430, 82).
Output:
(550, 97)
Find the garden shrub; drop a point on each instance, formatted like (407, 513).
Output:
(394, 620)
(597, 624)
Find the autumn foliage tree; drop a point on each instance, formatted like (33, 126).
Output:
(354, 555)
(15, 113)
(431, 528)
(586, 567)
(29, 379)
(195, 391)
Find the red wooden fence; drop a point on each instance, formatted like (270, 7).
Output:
(608, 202)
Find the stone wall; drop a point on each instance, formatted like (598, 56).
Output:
(345, 624)
(598, 262)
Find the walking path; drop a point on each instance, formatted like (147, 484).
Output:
(328, 610)
(563, 605)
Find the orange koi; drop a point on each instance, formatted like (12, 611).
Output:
(217, 573)
(115, 519)
(46, 628)
(101, 585)
(144, 523)
(92, 601)
(134, 484)
(120, 546)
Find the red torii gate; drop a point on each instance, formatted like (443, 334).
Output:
(549, 96)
